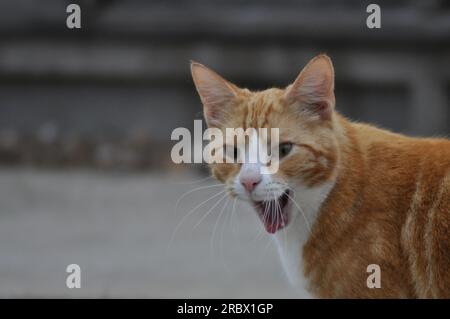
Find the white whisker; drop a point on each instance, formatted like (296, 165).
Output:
(187, 215)
(191, 191)
(301, 211)
(215, 226)
(193, 182)
(209, 211)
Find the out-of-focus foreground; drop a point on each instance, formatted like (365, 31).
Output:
(124, 233)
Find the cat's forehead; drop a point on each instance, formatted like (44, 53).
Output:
(259, 108)
(262, 99)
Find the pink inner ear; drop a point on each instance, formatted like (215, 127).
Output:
(212, 114)
(215, 92)
(324, 109)
(313, 88)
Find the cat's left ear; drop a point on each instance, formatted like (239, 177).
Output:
(313, 90)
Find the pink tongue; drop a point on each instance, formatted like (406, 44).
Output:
(272, 228)
(272, 225)
(272, 215)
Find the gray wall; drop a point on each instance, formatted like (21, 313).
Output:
(127, 68)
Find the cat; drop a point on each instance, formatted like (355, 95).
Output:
(347, 195)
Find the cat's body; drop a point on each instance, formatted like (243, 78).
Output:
(390, 206)
(346, 196)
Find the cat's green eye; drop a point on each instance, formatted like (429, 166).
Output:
(284, 149)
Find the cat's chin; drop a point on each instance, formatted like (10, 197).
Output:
(274, 214)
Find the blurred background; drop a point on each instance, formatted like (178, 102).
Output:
(86, 116)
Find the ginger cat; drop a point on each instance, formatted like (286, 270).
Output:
(346, 195)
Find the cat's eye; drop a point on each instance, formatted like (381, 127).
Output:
(284, 149)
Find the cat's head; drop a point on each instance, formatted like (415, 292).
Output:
(307, 149)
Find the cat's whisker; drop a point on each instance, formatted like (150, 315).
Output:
(302, 212)
(209, 211)
(215, 226)
(221, 254)
(283, 221)
(184, 218)
(194, 190)
(279, 212)
(263, 219)
(264, 253)
(267, 208)
(193, 182)
(233, 210)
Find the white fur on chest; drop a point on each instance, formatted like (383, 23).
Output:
(290, 240)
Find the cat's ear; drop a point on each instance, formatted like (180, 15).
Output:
(313, 90)
(216, 93)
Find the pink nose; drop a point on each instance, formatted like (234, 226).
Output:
(250, 183)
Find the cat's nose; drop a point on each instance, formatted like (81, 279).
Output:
(251, 182)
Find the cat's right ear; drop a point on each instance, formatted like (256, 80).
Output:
(216, 93)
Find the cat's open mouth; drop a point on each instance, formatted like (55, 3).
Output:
(274, 213)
